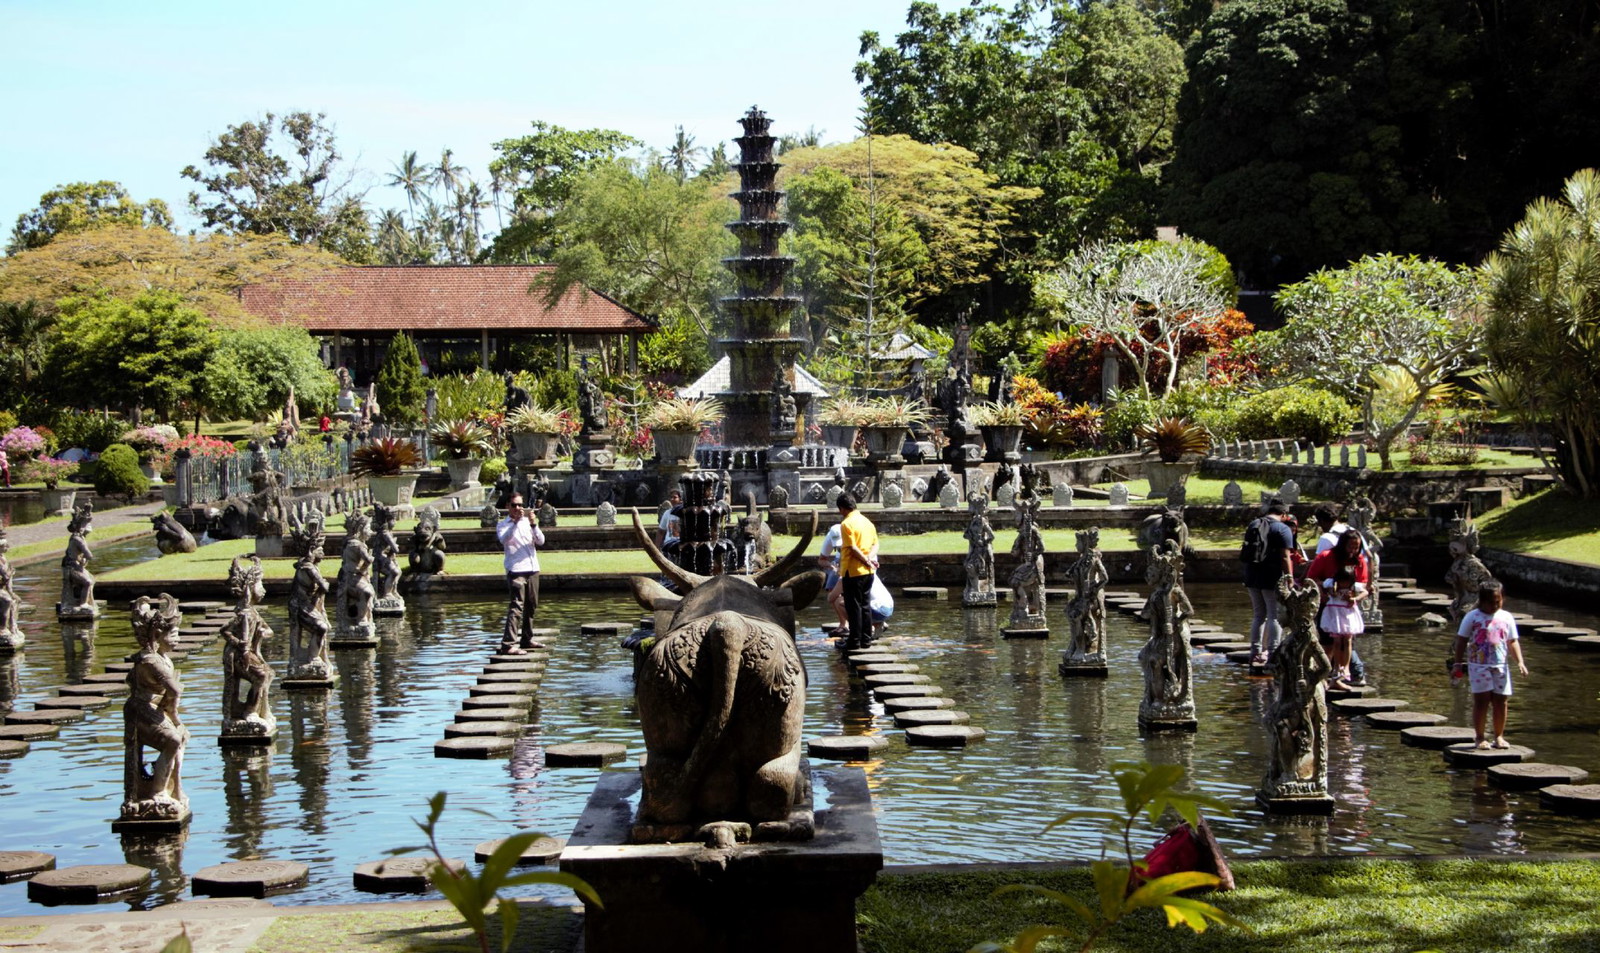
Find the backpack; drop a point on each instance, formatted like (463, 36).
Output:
(1254, 549)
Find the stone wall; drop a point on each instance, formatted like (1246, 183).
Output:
(1396, 493)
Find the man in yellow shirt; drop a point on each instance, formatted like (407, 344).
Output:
(858, 564)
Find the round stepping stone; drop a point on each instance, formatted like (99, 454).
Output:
(897, 678)
(943, 736)
(887, 668)
(1363, 706)
(80, 702)
(545, 850)
(936, 716)
(91, 691)
(398, 874)
(48, 716)
(885, 692)
(21, 864)
(845, 747)
(29, 732)
(86, 884)
(604, 628)
(474, 746)
(497, 701)
(1554, 632)
(250, 878)
(1435, 737)
(484, 729)
(1533, 775)
(1222, 648)
(925, 592)
(492, 714)
(507, 678)
(1355, 691)
(1586, 643)
(585, 754)
(1582, 800)
(916, 703)
(873, 658)
(1468, 755)
(504, 688)
(11, 748)
(1401, 720)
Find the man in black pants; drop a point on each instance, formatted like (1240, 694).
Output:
(858, 566)
(521, 538)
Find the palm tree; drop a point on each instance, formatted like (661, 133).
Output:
(413, 176)
(469, 217)
(25, 330)
(394, 240)
(447, 174)
(497, 187)
(681, 155)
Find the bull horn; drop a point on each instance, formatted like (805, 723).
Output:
(749, 502)
(776, 573)
(685, 580)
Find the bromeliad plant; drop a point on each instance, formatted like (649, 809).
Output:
(385, 456)
(1173, 437)
(684, 414)
(462, 439)
(1000, 415)
(1147, 790)
(895, 412)
(532, 418)
(843, 412)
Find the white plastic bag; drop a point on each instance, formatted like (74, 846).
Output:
(879, 600)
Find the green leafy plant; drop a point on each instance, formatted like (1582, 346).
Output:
(999, 415)
(532, 418)
(895, 412)
(843, 412)
(492, 468)
(399, 385)
(473, 895)
(385, 456)
(460, 439)
(684, 414)
(1173, 437)
(117, 473)
(1147, 791)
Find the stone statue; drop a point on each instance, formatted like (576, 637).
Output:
(153, 794)
(427, 543)
(308, 618)
(1359, 516)
(785, 415)
(605, 514)
(489, 516)
(371, 413)
(1289, 492)
(591, 402)
(355, 580)
(547, 515)
(1168, 684)
(953, 395)
(979, 563)
(77, 585)
(891, 495)
(1467, 572)
(1004, 385)
(171, 536)
(516, 397)
(11, 637)
(1232, 494)
(1003, 476)
(949, 497)
(1296, 780)
(1027, 577)
(778, 497)
(246, 708)
(1159, 527)
(385, 564)
(1061, 494)
(345, 402)
(1086, 611)
(752, 537)
(941, 477)
(1118, 495)
(267, 501)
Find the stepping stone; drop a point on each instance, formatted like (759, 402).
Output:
(1582, 800)
(1238, 656)
(896, 678)
(1435, 737)
(937, 716)
(845, 747)
(925, 592)
(886, 692)
(86, 884)
(1355, 691)
(28, 732)
(492, 714)
(1413, 595)
(1203, 627)
(107, 678)
(1530, 624)
(1468, 755)
(80, 702)
(21, 864)
(1586, 643)
(11, 748)
(474, 746)
(398, 874)
(943, 736)
(504, 688)
(543, 851)
(201, 605)
(101, 690)
(1440, 601)
(1533, 775)
(485, 729)
(872, 658)
(534, 656)
(605, 628)
(1401, 720)
(916, 703)
(887, 668)
(186, 908)
(583, 754)
(522, 666)
(1223, 648)
(497, 701)
(49, 716)
(250, 878)
(1551, 633)
(499, 678)
(1121, 594)
(115, 667)
(1364, 706)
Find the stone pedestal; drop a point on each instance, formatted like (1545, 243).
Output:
(158, 816)
(1025, 632)
(313, 676)
(357, 635)
(593, 453)
(391, 606)
(778, 897)
(1288, 799)
(83, 613)
(248, 732)
(1088, 666)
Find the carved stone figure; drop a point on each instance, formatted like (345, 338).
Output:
(547, 515)
(387, 600)
(1232, 494)
(152, 795)
(979, 563)
(752, 537)
(949, 497)
(1168, 683)
(1086, 610)
(11, 637)
(1296, 780)
(935, 487)
(1118, 495)
(1003, 477)
(591, 402)
(1359, 516)
(516, 397)
(355, 581)
(721, 699)
(1467, 572)
(77, 585)
(489, 516)
(891, 496)
(778, 497)
(1061, 495)
(266, 503)
(171, 536)
(1159, 527)
(309, 666)
(605, 514)
(246, 708)
(1027, 577)
(785, 415)
(345, 402)
(1289, 492)
(427, 543)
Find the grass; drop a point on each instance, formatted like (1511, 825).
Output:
(1203, 490)
(1487, 460)
(1292, 907)
(539, 927)
(1551, 523)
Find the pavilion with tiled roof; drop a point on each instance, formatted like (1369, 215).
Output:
(453, 308)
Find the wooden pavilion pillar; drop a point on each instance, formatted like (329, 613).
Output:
(483, 348)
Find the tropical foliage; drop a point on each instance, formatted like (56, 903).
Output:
(384, 456)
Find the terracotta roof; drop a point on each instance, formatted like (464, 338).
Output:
(432, 298)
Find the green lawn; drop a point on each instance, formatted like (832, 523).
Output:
(1203, 490)
(1551, 523)
(1306, 907)
(1487, 460)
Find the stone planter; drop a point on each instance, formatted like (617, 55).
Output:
(392, 490)
(1164, 476)
(534, 448)
(837, 435)
(884, 443)
(1002, 443)
(58, 502)
(151, 473)
(675, 447)
(463, 472)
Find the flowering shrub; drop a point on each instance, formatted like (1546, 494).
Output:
(208, 448)
(23, 442)
(1072, 365)
(1054, 423)
(47, 470)
(148, 441)
(1448, 441)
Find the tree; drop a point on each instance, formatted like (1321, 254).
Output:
(542, 168)
(282, 177)
(681, 155)
(1406, 325)
(1146, 299)
(1543, 333)
(399, 386)
(25, 328)
(253, 370)
(80, 206)
(412, 177)
(148, 352)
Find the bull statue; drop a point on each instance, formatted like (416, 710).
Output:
(721, 697)
(752, 537)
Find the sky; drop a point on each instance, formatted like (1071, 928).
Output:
(135, 91)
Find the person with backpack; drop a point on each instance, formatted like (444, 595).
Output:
(1267, 557)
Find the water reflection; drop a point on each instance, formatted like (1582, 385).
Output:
(163, 854)
(356, 667)
(77, 648)
(247, 785)
(9, 683)
(309, 754)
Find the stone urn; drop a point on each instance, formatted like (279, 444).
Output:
(535, 449)
(1163, 476)
(1002, 443)
(839, 435)
(463, 472)
(675, 447)
(151, 473)
(392, 490)
(57, 502)
(885, 443)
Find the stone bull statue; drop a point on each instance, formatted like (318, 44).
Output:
(721, 699)
(752, 537)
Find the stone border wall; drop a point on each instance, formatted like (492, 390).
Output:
(1395, 493)
(1543, 575)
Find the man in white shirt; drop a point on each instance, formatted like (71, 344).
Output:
(521, 538)
(828, 562)
(667, 530)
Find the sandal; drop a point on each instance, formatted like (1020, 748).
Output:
(514, 650)
(1502, 744)
(1483, 746)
